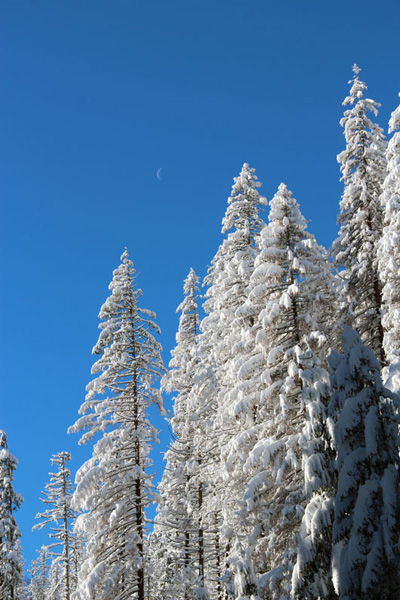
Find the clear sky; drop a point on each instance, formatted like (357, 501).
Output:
(96, 96)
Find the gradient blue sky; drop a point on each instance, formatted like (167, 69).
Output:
(98, 95)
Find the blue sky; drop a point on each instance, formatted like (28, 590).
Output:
(95, 98)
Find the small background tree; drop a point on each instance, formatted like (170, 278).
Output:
(11, 567)
(39, 570)
(60, 516)
(177, 517)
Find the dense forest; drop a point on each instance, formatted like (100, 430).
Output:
(281, 479)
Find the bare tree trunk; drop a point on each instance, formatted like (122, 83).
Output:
(201, 535)
(218, 560)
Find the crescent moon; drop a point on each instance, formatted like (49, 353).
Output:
(159, 173)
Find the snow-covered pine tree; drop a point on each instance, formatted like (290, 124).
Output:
(55, 583)
(60, 516)
(282, 311)
(11, 568)
(176, 520)
(365, 421)
(162, 565)
(38, 587)
(362, 165)
(115, 486)
(312, 574)
(389, 246)
(228, 278)
(77, 556)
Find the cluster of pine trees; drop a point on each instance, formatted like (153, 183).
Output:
(282, 477)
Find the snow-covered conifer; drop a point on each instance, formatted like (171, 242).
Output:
(228, 278)
(55, 583)
(365, 421)
(179, 379)
(389, 247)
(114, 486)
(162, 564)
(11, 568)
(77, 556)
(60, 516)
(312, 574)
(177, 519)
(38, 587)
(282, 310)
(363, 166)
(233, 263)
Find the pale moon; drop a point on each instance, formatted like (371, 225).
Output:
(159, 173)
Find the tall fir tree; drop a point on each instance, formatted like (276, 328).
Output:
(177, 517)
(362, 165)
(60, 516)
(312, 574)
(389, 246)
(365, 420)
(281, 313)
(115, 486)
(227, 280)
(11, 567)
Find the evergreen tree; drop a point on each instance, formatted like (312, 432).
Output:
(165, 580)
(228, 278)
(114, 486)
(363, 165)
(177, 516)
(11, 568)
(389, 247)
(38, 587)
(77, 556)
(60, 516)
(365, 416)
(21, 589)
(312, 575)
(55, 584)
(282, 310)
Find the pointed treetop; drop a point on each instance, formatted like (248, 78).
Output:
(244, 202)
(283, 187)
(3, 439)
(124, 276)
(190, 283)
(361, 134)
(189, 319)
(190, 287)
(125, 258)
(357, 88)
(126, 268)
(282, 203)
(60, 457)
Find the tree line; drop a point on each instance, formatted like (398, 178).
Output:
(281, 480)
